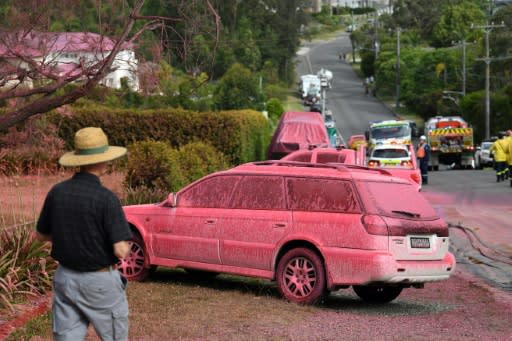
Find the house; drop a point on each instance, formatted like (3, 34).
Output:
(65, 54)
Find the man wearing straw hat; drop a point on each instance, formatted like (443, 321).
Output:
(89, 234)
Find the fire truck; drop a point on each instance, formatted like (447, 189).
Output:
(451, 142)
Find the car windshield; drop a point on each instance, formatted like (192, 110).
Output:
(386, 198)
(394, 131)
(390, 153)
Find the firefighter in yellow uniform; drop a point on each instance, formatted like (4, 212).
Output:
(509, 155)
(500, 150)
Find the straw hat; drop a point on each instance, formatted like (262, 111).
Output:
(91, 147)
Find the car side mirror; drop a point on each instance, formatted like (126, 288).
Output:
(171, 200)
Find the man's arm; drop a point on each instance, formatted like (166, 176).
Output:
(122, 249)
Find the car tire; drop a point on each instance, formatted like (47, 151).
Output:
(136, 266)
(301, 276)
(377, 294)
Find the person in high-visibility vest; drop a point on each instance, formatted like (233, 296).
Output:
(509, 155)
(500, 151)
(423, 155)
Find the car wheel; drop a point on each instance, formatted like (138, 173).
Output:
(436, 168)
(301, 276)
(377, 294)
(135, 267)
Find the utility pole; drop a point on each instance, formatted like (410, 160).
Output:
(398, 67)
(487, 29)
(463, 44)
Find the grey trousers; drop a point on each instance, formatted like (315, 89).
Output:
(83, 298)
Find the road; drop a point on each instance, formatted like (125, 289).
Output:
(351, 107)
(477, 208)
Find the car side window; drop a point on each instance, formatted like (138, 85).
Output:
(259, 193)
(213, 192)
(329, 157)
(324, 195)
(306, 157)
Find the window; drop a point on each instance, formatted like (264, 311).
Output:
(324, 195)
(212, 192)
(390, 153)
(387, 198)
(259, 193)
(301, 157)
(329, 157)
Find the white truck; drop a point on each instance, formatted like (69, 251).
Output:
(388, 132)
(308, 82)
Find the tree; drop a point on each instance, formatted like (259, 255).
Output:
(419, 15)
(119, 23)
(238, 89)
(501, 47)
(455, 24)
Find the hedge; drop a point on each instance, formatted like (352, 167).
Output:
(241, 135)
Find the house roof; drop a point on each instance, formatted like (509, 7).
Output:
(39, 44)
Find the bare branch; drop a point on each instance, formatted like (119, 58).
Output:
(34, 64)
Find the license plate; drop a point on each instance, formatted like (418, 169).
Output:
(420, 243)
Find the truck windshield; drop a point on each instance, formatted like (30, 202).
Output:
(386, 132)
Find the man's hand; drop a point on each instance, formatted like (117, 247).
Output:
(122, 249)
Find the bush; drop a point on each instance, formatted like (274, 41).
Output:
(275, 109)
(155, 169)
(241, 135)
(153, 165)
(198, 159)
(31, 148)
(26, 267)
(143, 195)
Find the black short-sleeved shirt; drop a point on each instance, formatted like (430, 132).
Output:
(84, 220)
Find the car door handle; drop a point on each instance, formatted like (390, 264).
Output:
(210, 221)
(278, 225)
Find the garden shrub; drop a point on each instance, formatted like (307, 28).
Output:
(275, 109)
(241, 135)
(26, 267)
(153, 165)
(198, 159)
(154, 168)
(31, 148)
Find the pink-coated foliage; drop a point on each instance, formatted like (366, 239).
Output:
(30, 149)
(25, 265)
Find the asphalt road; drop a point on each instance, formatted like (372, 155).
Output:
(478, 208)
(351, 107)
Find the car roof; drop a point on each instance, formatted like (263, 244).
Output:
(314, 170)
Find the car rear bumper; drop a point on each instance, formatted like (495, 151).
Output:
(358, 267)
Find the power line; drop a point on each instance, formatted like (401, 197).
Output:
(487, 59)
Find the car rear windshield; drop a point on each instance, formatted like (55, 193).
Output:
(390, 153)
(395, 199)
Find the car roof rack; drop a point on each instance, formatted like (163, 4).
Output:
(331, 165)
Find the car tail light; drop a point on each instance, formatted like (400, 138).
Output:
(406, 163)
(415, 177)
(374, 224)
(373, 163)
